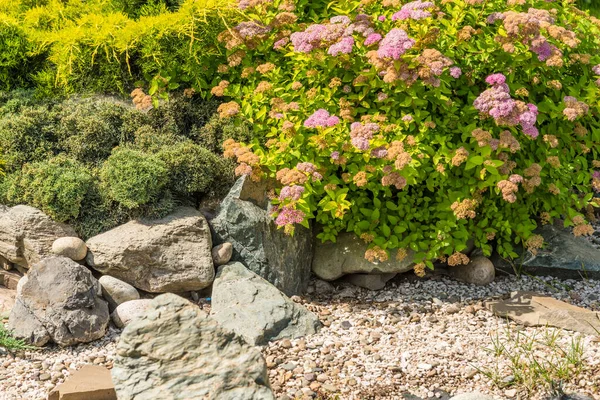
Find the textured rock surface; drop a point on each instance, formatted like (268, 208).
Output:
(176, 351)
(27, 234)
(116, 292)
(130, 310)
(60, 303)
(347, 256)
(91, 382)
(256, 310)
(281, 259)
(70, 247)
(7, 301)
(222, 253)
(562, 250)
(479, 271)
(10, 279)
(531, 309)
(172, 254)
(370, 281)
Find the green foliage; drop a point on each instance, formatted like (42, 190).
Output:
(110, 46)
(27, 135)
(89, 129)
(57, 186)
(98, 162)
(432, 171)
(194, 169)
(9, 342)
(133, 178)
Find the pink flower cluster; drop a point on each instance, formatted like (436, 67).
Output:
(321, 119)
(251, 29)
(337, 35)
(596, 69)
(360, 134)
(455, 72)
(497, 103)
(414, 10)
(310, 169)
(291, 192)
(289, 216)
(372, 39)
(395, 44)
(574, 108)
(493, 17)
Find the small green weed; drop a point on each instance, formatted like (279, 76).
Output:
(9, 342)
(541, 358)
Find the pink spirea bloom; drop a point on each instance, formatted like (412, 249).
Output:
(288, 215)
(381, 18)
(379, 152)
(335, 155)
(495, 79)
(372, 39)
(291, 192)
(413, 10)
(382, 96)
(360, 134)
(321, 119)
(596, 175)
(344, 46)
(250, 29)
(394, 44)
(280, 43)
(408, 118)
(544, 50)
(596, 69)
(306, 41)
(307, 167)
(497, 103)
(493, 17)
(514, 178)
(455, 72)
(340, 19)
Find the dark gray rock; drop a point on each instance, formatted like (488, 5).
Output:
(27, 234)
(59, 302)
(479, 271)
(369, 281)
(563, 255)
(256, 310)
(244, 220)
(172, 254)
(176, 351)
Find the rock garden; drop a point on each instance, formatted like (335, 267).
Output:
(294, 200)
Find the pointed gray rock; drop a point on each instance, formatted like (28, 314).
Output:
(244, 219)
(256, 310)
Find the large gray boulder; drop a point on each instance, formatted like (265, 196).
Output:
(27, 234)
(244, 219)
(172, 254)
(176, 351)
(563, 255)
(563, 250)
(256, 310)
(347, 256)
(59, 302)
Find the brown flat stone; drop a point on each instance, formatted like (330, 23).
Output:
(7, 301)
(91, 382)
(531, 309)
(9, 279)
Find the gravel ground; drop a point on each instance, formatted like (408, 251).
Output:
(423, 337)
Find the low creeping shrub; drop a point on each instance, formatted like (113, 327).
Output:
(421, 125)
(98, 162)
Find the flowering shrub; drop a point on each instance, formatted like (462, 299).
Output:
(420, 125)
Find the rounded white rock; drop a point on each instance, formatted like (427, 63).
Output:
(70, 247)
